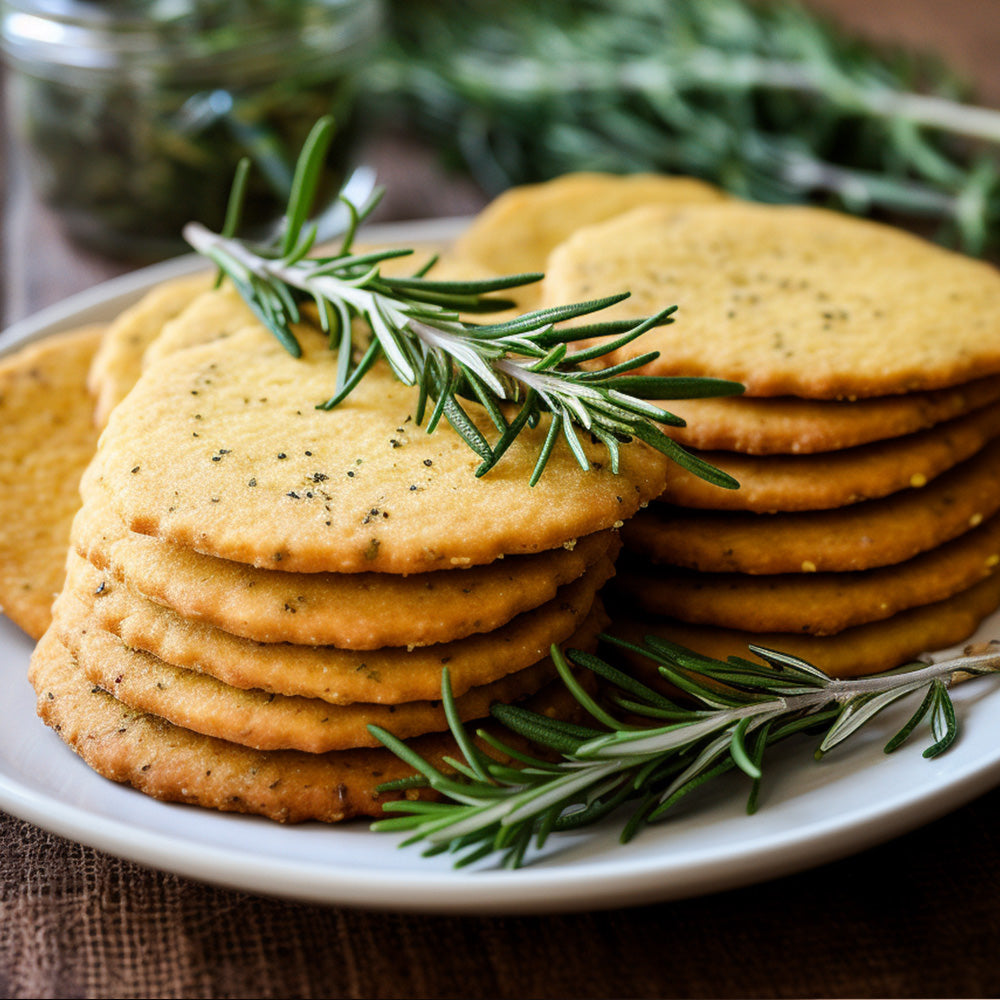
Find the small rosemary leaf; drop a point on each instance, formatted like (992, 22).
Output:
(481, 287)
(280, 329)
(677, 387)
(688, 786)
(471, 754)
(554, 314)
(507, 714)
(308, 169)
(860, 710)
(684, 458)
(738, 750)
(536, 729)
(460, 767)
(488, 401)
(463, 424)
(473, 856)
(363, 366)
(545, 825)
(620, 678)
(635, 405)
(424, 268)
(944, 725)
(901, 737)
(510, 435)
(546, 451)
(515, 856)
(440, 392)
(639, 818)
(760, 742)
(795, 663)
(396, 824)
(237, 198)
(304, 245)
(662, 318)
(569, 433)
(649, 711)
(402, 784)
(609, 442)
(361, 262)
(578, 692)
(401, 750)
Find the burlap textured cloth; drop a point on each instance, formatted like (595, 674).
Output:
(917, 917)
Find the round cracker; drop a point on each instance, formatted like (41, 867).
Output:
(788, 300)
(48, 440)
(177, 765)
(864, 536)
(815, 603)
(865, 649)
(220, 448)
(789, 426)
(117, 364)
(356, 611)
(821, 482)
(263, 721)
(338, 676)
(517, 231)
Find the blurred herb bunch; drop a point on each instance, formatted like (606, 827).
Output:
(766, 99)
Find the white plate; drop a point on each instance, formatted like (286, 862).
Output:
(811, 813)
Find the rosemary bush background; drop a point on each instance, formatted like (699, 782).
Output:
(768, 100)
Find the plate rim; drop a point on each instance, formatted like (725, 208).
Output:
(594, 883)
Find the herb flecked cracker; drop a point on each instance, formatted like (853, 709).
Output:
(176, 765)
(836, 479)
(790, 300)
(785, 425)
(48, 439)
(391, 675)
(862, 536)
(864, 649)
(220, 448)
(813, 603)
(355, 611)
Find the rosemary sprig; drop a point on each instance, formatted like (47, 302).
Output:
(416, 326)
(767, 99)
(729, 714)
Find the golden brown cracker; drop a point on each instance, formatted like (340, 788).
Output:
(177, 765)
(789, 426)
(789, 300)
(220, 448)
(864, 649)
(265, 721)
(836, 479)
(864, 536)
(117, 364)
(338, 676)
(352, 611)
(814, 603)
(45, 411)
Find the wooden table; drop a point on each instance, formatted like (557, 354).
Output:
(919, 916)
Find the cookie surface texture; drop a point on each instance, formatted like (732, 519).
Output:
(837, 479)
(352, 611)
(789, 300)
(118, 363)
(221, 449)
(789, 426)
(48, 439)
(863, 536)
(176, 765)
(866, 649)
(814, 603)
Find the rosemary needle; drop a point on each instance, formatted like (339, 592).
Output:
(730, 713)
(517, 370)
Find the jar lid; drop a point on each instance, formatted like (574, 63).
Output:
(196, 37)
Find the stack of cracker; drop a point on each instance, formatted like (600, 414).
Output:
(252, 582)
(864, 531)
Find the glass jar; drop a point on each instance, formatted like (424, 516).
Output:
(134, 113)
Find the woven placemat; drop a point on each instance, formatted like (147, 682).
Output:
(917, 917)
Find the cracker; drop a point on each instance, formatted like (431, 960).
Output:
(384, 676)
(356, 611)
(48, 440)
(837, 479)
(789, 300)
(219, 448)
(815, 603)
(177, 765)
(789, 426)
(516, 232)
(117, 364)
(263, 721)
(864, 536)
(865, 649)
